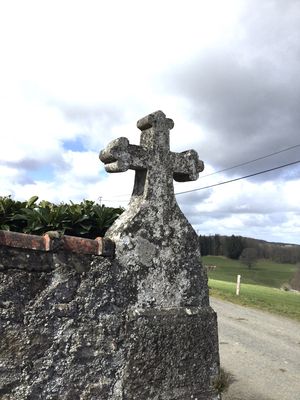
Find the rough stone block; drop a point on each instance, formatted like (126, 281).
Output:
(171, 354)
(106, 247)
(79, 245)
(22, 240)
(53, 241)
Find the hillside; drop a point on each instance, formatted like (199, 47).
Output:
(232, 247)
(264, 273)
(260, 286)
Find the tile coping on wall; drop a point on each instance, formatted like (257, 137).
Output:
(49, 242)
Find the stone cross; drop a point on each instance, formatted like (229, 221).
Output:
(154, 163)
(171, 329)
(153, 234)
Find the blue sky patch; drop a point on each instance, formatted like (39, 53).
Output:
(73, 145)
(43, 173)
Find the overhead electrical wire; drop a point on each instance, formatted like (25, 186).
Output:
(233, 180)
(228, 169)
(251, 161)
(240, 178)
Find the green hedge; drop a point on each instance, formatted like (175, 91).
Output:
(86, 219)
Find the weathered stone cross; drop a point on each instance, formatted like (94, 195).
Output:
(161, 285)
(154, 163)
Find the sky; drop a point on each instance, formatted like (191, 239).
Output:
(75, 75)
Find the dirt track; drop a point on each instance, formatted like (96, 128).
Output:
(261, 350)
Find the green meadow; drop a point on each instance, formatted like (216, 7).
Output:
(260, 286)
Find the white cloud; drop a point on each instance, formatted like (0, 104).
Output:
(265, 210)
(87, 71)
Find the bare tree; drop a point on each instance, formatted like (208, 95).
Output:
(295, 281)
(249, 257)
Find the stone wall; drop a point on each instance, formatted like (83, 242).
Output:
(70, 328)
(61, 315)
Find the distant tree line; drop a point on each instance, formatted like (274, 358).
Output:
(233, 246)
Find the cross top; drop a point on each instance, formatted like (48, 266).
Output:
(154, 163)
(154, 242)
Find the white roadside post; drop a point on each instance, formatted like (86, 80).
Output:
(238, 285)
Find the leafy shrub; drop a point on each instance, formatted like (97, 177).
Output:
(9, 208)
(87, 219)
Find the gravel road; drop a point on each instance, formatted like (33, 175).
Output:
(261, 350)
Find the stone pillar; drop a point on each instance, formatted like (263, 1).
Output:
(169, 337)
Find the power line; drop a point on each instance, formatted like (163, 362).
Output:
(236, 179)
(240, 178)
(223, 170)
(250, 161)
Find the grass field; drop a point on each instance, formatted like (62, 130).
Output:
(259, 286)
(264, 273)
(262, 297)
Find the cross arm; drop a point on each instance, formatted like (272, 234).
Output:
(119, 156)
(186, 166)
